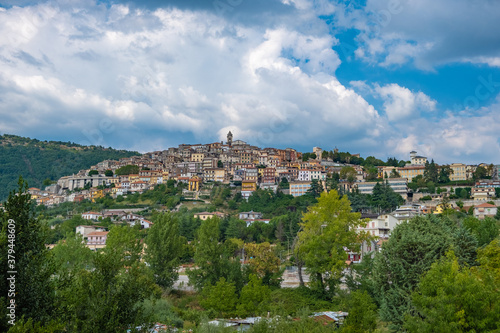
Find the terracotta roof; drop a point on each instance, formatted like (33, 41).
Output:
(485, 205)
(98, 233)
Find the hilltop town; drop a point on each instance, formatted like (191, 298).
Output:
(418, 186)
(250, 167)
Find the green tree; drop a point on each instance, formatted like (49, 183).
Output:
(255, 298)
(220, 297)
(308, 156)
(327, 229)
(220, 165)
(348, 174)
(161, 311)
(489, 259)
(332, 181)
(484, 230)
(236, 229)
(480, 173)
(127, 170)
(372, 173)
(22, 244)
(465, 245)
(431, 187)
(360, 276)
(409, 252)
(164, 248)
(208, 256)
(93, 172)
(394, 174)
(316, 188)
(71, 255)
(384, 198)
(431, 173)
(362, 313)
(107, 298)
(444, 174)
(108, 173)
(451, 298)
(126, 242)
(284, 184)
(264, 262)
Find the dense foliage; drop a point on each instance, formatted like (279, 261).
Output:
(39, 161)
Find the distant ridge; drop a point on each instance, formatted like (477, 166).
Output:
(39, 160)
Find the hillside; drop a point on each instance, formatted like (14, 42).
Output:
(39, 160)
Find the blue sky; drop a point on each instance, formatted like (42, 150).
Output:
(376, 77)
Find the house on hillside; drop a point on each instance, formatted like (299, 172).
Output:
(206, 215)
(91, 216)
(251, 215)
(97, 240)
(485, 210)
(483, 193)
(145, 224)
(85, 230)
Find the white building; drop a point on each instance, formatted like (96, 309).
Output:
(485, 210)
(91, 216)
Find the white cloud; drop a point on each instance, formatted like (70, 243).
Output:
(472, 139)
(490, 61)
(146, 80)
(401, 102)
(425, 33)
(169, 71)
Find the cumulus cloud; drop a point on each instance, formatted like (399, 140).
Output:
(169, 71)
(401, 102)
(471, 138)
(424, 33)
(146, 77)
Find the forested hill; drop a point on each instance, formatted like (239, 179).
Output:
(38, 160)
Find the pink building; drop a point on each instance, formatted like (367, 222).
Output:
(97, 239)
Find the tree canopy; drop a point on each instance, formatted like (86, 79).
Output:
(328, 229)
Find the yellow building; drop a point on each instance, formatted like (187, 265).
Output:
(459, 171)
(440, 208)
(194, 184)
(214, 175)
(249, 185)
(96, 194)
(385, 172)
(247, 188)
(133, 177)
(197, 157)
(206, 215)
(412, 171)
(246, 158)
